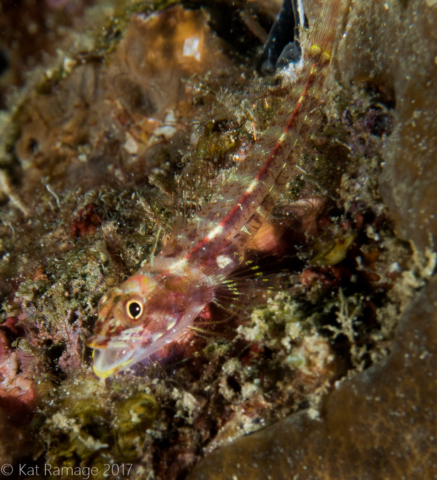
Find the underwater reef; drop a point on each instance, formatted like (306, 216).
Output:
(119, 122)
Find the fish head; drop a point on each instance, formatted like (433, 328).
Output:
(125, 332)
(142, 315)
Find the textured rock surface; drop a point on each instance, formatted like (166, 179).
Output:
(382, 423)
(14, 437)
(62, 246)
(31, 31)
(393, 46)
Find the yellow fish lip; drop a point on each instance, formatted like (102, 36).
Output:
(105, 373)
(111, 359)
(112, 354)
(98, 341)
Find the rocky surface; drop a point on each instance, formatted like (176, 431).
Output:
(379, 425)
(392, 46)
(382, 423)
(128, 132)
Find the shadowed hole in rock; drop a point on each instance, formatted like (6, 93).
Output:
(232, 382)
(382, 123)
(33, 145)
(135, 97)
(4, 62)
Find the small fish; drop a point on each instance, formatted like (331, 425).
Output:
(157, 304)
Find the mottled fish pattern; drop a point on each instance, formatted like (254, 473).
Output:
(157, 304)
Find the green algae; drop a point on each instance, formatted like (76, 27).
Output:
(335, 252)
(133, 416)
(88, 427)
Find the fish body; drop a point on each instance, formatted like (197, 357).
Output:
(156, 305)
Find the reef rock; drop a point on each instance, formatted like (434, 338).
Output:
(379, 425)
(382, 423)
(392, 45)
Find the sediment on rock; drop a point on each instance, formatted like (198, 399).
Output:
(382, 423)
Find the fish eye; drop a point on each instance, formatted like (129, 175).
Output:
(134, 309)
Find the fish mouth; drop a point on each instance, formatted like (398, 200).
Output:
(110, 355)
(112, 358)
(98, 341)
